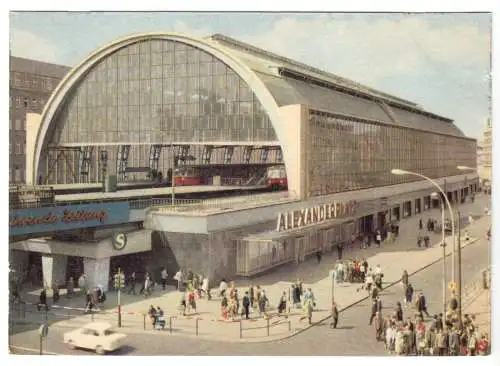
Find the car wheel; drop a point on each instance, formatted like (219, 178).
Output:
(99, 350)
(71, 344)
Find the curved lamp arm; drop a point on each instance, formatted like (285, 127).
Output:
(406, 172)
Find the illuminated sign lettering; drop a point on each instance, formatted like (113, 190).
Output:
(66, 217)
(314, 215)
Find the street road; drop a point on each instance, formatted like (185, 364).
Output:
(353, 337)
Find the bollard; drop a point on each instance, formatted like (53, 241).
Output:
(267, 326)
(289, 325)
(197, 325)
(170, 324)
(144, 318)
(241, 328)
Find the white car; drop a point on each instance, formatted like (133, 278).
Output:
(95, 336)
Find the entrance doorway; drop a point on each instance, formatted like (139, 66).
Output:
(366, 224)
(382, 219)
(74, 268)
(396, 213)
(418, 207)
(407, 209)
(35, 273)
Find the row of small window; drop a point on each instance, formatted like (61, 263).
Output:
(134, 68)
(20, 102)
(16, 175)
(159, 46)
(16, 125)
(166, 111)
(20, 148)
(30, 81)
(226, 86)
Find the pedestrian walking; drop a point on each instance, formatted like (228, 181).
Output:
(246, 305)
(164, 276)
(132, 281)
(318, 255)
(282, 303)
(378, 238)
(421, 305)
(179, 278)
(340, 249)
(379, 326)
(55, 293)
(409, 294)
(335, 316)
(42, 301)
(398, 312)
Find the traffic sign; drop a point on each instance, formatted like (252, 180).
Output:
(119, 280)
(452, 286)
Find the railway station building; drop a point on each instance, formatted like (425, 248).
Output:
(228, 111)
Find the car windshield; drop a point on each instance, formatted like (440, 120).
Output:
(108, 332)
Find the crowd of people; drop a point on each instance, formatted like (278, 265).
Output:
(421, 334)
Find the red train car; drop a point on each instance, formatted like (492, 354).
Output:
(187, 177)
(276, 178)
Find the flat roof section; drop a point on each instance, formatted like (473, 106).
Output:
(149, 192)
(212, 206)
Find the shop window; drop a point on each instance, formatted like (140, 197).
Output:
(17, 174)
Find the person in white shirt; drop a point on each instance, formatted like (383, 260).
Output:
(368, 282)
(204, 287)
(178, 277)
(378, 270)
(223, 288)
(164, 276)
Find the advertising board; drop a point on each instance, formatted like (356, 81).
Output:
(58, 218)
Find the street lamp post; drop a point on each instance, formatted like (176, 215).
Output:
(173, 174)
(450, 210)
(459, 255)
(443, 244)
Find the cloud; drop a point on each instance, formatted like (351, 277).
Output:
(29, 45)
(181, 26)
(371, 48)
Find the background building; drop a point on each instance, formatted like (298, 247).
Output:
(31, 83)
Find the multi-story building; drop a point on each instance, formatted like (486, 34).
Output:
(486, 153)
(31, 83)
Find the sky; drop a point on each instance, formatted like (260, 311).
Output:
(440, 61)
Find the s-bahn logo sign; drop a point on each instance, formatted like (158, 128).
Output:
(315, 215)
(28, 221)
(120, 241)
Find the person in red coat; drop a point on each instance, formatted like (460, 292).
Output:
(483, 345)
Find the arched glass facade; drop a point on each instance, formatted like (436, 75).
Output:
(158, 91)
(352, 154)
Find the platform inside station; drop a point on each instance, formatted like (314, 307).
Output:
(151, 192)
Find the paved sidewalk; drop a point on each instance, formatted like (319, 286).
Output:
(393, 258)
